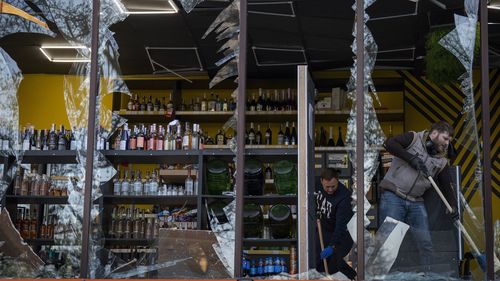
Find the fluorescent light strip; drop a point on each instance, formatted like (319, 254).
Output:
(494, 7)
(64, 60)
(174, 11)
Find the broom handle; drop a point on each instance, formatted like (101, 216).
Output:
(322, 245)
(457, 222)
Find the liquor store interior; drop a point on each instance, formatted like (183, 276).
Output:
(210, 139)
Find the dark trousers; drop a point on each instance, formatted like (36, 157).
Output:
(336, 261)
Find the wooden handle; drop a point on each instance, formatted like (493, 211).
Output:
(325, 264)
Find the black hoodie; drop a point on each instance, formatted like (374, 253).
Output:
(334, 211)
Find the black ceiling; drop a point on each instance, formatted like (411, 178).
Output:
(320, 33)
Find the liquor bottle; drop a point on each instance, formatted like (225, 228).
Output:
(152, 138)
(33, 139)
(149, 105)
(125, 186)
(137, 105)
(331, 142)
(137, 225)
(144, 105)
(293, 138)
(281, 137)
(25, 185)
(283, 100)
(132, 141)
(197, 104)
(225, 105)
(251, 135)
(17, 183)
(187, 140)
(43, 227)
(128, 226)
(289, 100)
(124, 138)
(268, 102)
(44, 189)
(220, 138)
(160, 136)
(168, 145)
(287, 135)
(33, 225)
(178, 138)
(154, 184)
(130, 104)
(157, 105)
(204, 103)
(340, 141)
(26, 140)
(211, 103)
(112, 224)
(195, 140)
(170, 104)
(201, 141)
(268, 172)
(25, 225)
(117, 184)
(140, 138)
(260, 101)
(268, 136)
(322, 140)
(146, 188)
(258, 136)
(218, 103)
(119, 224)
(253, 103)
(188, 183)
(163, 105)
(138, 186)
(72, 139)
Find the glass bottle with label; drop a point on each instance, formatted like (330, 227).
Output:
(268, 137)
(204, 103)
(188, 183)
(220, 138)
(138, 187)
(281, 137)
(331, 142)
(125, 186)
(187, 138)
(340, 141)
(251, 135)
(195, 140)
(258, 136)
(178, 138)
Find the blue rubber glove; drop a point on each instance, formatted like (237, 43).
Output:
(481, 260)
(328, 251)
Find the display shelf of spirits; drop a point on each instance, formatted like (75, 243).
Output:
(178, 200)
(128, 242)
(268, 242)
(152, 156)
(177, 175)
(271, 199)
(49, 157)
(52, 200)
(342, 115)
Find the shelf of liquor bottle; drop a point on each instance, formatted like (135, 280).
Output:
(128, 241)
(189, 200)
(32, 199)
(210, 196)
(145, 116)
(344, 148)
(45, 156)
(266, 252)
(178, 175)
(342, 115)
(39, 241)
(268, 242)
(272, 199)
(152, 156)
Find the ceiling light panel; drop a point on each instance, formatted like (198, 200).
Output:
(176, 59)
(265, 56)
(64, 53)
(147, 6)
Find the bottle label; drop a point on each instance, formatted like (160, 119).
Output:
(140, 142)
(194, 143)
(123, 145)
(151, 144)
(280, 139)
(133, 144)
(72, 145)
(159, 145)
(185, 142)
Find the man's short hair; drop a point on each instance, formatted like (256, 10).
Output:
(442, 127)
(329, 173)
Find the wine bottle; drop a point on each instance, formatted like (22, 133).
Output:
(251, 135)
(281, 136)
(331, 142)
(258, 136)
(294, 140)
(268, 137)
(340, 141)
(287, 135)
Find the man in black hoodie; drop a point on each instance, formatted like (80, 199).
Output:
(333, 203)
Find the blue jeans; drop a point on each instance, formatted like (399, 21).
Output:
(413, 214)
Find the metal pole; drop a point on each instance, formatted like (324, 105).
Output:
(240, 129)
(360, 130)
(94, 88)
(485, 104)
